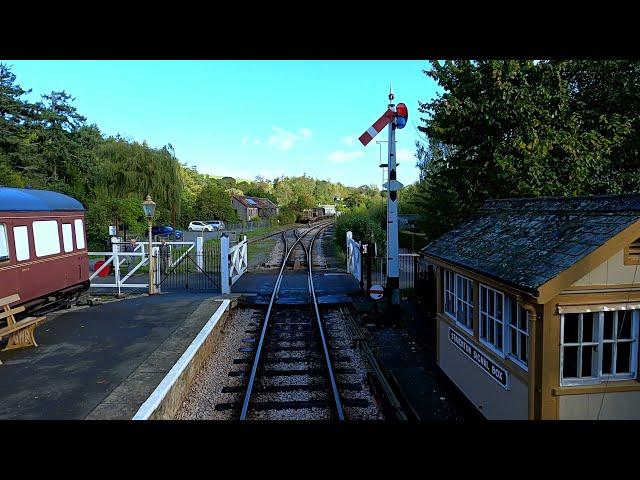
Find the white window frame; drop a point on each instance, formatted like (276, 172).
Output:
(80, 235)
(519, 333)
(19, 241)
(449, 291)
(483, 293)
(67, 237)
(5, 238)
(45, 238)
(465, 298)
(599, 344)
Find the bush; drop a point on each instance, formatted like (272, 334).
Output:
(364, 228)
(286, 216)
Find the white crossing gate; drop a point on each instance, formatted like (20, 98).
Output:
(354, 261)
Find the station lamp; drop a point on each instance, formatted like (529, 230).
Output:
(149, 207)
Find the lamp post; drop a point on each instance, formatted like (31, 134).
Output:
(149, 207)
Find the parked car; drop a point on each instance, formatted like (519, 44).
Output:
(197, 226)
(217, 224)
(166, 231)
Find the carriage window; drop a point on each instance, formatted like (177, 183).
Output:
(79, 234)
(4, 244)
(46, 237)
(21, 241)
(67, 237)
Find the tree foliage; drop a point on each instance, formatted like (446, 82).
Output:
(522, 128)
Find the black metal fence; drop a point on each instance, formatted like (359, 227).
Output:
(191, 271)
(417, 276)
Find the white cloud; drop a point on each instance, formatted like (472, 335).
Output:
(257, 141)
(305, 132)
(285, 140)
(405, 155)
(340, 156)
(245, 139)
(349, 140)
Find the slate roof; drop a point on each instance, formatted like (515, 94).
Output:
(526, 242)
(31, 200)
(263, 202)
(243, 201)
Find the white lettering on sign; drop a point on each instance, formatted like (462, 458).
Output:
(494, 371)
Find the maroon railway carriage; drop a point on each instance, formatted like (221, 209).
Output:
(43, 247)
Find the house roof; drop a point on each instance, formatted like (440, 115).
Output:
(243, 201)
(262, 202)
(31, 200)
(526, 242)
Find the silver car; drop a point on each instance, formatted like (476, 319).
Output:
(216, 224)
(197, 226)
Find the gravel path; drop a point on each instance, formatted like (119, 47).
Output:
(206, 389)
(339, 335)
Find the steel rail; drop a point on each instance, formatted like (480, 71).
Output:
(325, 349)
(256, 360)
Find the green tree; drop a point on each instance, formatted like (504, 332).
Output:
(509, 128)
(213, 203)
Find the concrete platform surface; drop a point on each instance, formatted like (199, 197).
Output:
(102, 361)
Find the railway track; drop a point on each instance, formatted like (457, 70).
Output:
(299, 365)
(287, 353)
(294, 337)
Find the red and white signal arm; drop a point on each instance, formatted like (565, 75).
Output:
(377, 127)
(376, 292)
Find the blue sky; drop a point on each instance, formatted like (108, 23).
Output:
(247, 118)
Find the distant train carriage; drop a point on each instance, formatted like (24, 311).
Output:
(306, 216)
(43, 247)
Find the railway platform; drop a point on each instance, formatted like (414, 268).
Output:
(101, 362)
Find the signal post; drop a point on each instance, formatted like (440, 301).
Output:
(394, 117)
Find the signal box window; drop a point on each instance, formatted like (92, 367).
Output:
(458, 299)
(492, 316)
(46, 238)
(4, 243)
(599, 346)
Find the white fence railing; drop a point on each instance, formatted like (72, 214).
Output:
(354, 263)
(117, 258)
(233, 262)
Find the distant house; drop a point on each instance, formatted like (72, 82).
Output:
(266, 208)
(248, 208)
(245, 207)
(539, 307)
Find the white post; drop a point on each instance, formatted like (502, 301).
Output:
(393, 268)
(349, 237)
(199, 253)
(224, 264)
(116, 263)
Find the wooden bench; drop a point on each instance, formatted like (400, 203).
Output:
(20, 333)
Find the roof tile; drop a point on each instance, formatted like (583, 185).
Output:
(528, 241)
